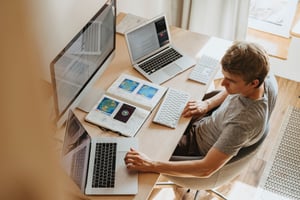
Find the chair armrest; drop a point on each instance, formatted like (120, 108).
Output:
(183, 158)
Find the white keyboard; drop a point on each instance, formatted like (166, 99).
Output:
(171, 108)
(204, 69)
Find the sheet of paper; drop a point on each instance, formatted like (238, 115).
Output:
(128, 22)
(215, 47)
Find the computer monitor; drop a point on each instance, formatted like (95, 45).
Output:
(76, 68)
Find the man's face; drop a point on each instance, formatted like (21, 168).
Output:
(234, 84)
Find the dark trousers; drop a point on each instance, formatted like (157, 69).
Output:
(187, 146)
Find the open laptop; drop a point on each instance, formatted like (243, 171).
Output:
(84, 159)
(150, 43)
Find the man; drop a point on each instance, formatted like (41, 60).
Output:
(241, 116)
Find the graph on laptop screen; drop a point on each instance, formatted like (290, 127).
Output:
(76, 68)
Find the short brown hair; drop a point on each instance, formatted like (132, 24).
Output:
(249, 60)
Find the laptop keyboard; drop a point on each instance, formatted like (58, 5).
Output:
(104, 166)
(77, 166)
(171, 108)
(91, 38)
(160, 60)
(204, 69)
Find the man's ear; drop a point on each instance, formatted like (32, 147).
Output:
(255, 83)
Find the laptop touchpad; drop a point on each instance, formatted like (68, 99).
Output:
(172, 69)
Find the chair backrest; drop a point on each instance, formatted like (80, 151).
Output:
(223, 175)
(250, 149)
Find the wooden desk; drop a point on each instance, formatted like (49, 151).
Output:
(155, 140)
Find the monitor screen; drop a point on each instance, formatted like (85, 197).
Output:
(75, 69)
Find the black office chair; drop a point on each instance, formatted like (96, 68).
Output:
(229, 171)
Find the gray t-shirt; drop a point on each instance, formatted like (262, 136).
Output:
(237, 123)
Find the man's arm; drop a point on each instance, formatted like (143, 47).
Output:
(213, 161)
(194, 107)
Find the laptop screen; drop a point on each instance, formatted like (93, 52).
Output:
(148, 38)
(75, 134)
(76, 150)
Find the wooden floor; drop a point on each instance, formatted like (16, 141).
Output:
(275, 45)
(288, 95)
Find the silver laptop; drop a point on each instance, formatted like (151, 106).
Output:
(96, 164)
(89, 42)
(151, 51)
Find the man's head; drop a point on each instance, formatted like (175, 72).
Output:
(244, 62)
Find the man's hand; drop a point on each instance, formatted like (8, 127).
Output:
(135, 160)
(195, 108)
